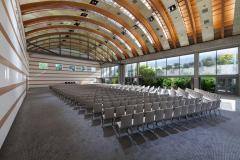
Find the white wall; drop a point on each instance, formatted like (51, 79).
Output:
(13, 65)
(44, 78)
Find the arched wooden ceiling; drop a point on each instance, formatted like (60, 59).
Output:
(133, 27)
(60, 35)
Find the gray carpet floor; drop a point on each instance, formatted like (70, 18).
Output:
(48, 129)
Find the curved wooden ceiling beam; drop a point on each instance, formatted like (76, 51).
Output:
(135, 11)
(56, 40)
(157, 4)
(192, 21)
(78, 34)
(38, 6)
(46, 19)
(73, 45)
(80, 28)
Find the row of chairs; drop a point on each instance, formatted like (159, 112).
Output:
(141, 119)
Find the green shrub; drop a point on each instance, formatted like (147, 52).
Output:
(148, 75)
(208, 84)
(167, 82)
(115, 80)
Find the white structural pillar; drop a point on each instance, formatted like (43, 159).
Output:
(196, 70)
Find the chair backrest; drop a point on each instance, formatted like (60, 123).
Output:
(107, 105)
(130, 109)
(147, 107)
(155, 105)
(120, 111)
(126, 121)
(191, 108)
(184, 110)
(124, 103)
(198, 108)
(109, 112)
(163, 105)
(177, 112)
(138, 118)
(168, 113)
(132, 102)
(116, 103)
(149, 116)
(97, 108)
(139, 108)
(159, 114)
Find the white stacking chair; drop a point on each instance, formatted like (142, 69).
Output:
(177, 112)
(125, 123)
(139, 108)
(191, 109)
(155, 105)
(149, 117)
(159, 115)
(130, 109)
(138, 120)
(108, 114)
(107, 105)
(147, 107)
(116, 103)
(168, 114)
(198, 108)
(132, 102)
(184, 111)
(124, 103)
(120, 111)
(97, 108)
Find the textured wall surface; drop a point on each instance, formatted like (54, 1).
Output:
(44, 77)
(13, 65)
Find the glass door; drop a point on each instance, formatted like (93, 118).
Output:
(226, 85)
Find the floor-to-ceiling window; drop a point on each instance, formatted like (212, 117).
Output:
(131, 73)
(218, 70)
(110, 75)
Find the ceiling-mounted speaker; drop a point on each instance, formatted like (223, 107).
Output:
(76, 24)
(172, 8)
(205, 10)
(84, 14)
(151, 18)
(94, 2)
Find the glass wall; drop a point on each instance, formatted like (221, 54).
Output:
(173, 66)
(222, 66)
(110, 74)
(227, 61)
(207, 63)
(131, 70)
(151, 64)
(161, 65)
(187, 65)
